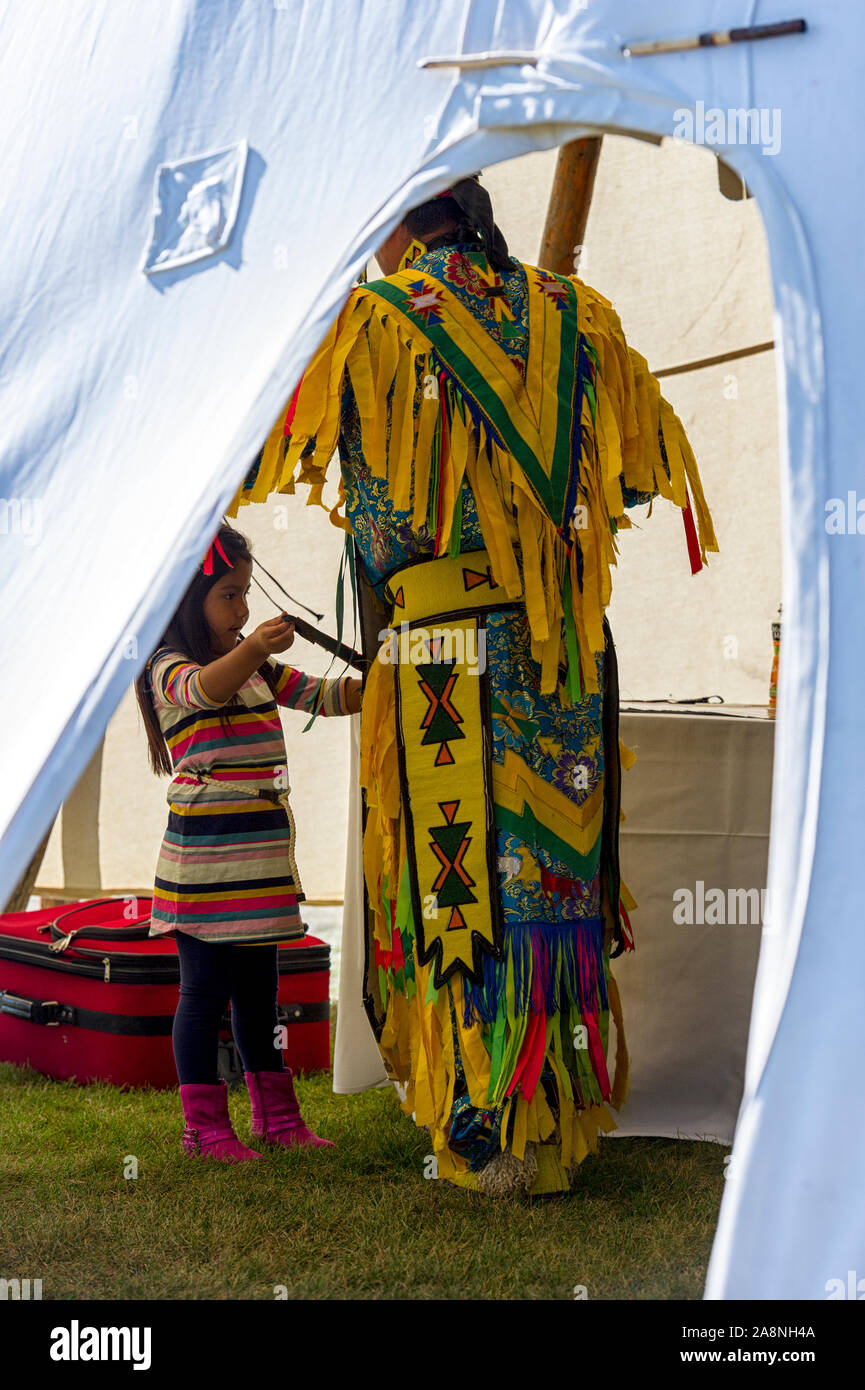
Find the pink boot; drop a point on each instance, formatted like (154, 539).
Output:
(208, 1131)
(276, 1114)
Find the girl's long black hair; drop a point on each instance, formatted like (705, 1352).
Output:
(189, 634)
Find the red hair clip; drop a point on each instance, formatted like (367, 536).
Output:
(207, 567)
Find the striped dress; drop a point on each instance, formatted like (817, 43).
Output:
(226, 869)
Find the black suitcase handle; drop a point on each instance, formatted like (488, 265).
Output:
(137, 930)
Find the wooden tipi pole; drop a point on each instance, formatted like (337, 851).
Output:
(568, 210)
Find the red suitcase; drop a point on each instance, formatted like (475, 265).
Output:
(87, 995)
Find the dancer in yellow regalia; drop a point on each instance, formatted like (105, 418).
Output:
(493, 428)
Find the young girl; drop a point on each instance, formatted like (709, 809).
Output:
(226, 881)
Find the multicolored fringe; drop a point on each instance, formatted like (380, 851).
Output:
(521, 1062)
(555, 966)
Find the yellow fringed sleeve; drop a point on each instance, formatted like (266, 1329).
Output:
(631, 411)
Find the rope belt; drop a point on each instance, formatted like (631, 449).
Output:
(243, 788)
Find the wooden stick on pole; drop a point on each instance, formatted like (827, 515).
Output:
(570, 199)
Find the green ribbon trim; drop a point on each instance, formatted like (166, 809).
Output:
(571, 646)
(456, 527)
(517, 1025)
(563, 460)
(530, 830)
(405, 926)
(472, 381)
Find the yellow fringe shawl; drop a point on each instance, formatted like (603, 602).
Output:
(621, 449)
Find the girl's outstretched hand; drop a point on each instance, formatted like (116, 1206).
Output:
(276, 635)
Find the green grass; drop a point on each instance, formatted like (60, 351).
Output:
(356, 1222)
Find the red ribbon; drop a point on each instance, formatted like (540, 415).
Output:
(292, 407)
(207, 567)
(530, 1062)
(691, 537)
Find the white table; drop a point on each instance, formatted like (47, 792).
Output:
(697, 811)
(697, 805)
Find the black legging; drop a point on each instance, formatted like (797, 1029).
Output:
(211, 974)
